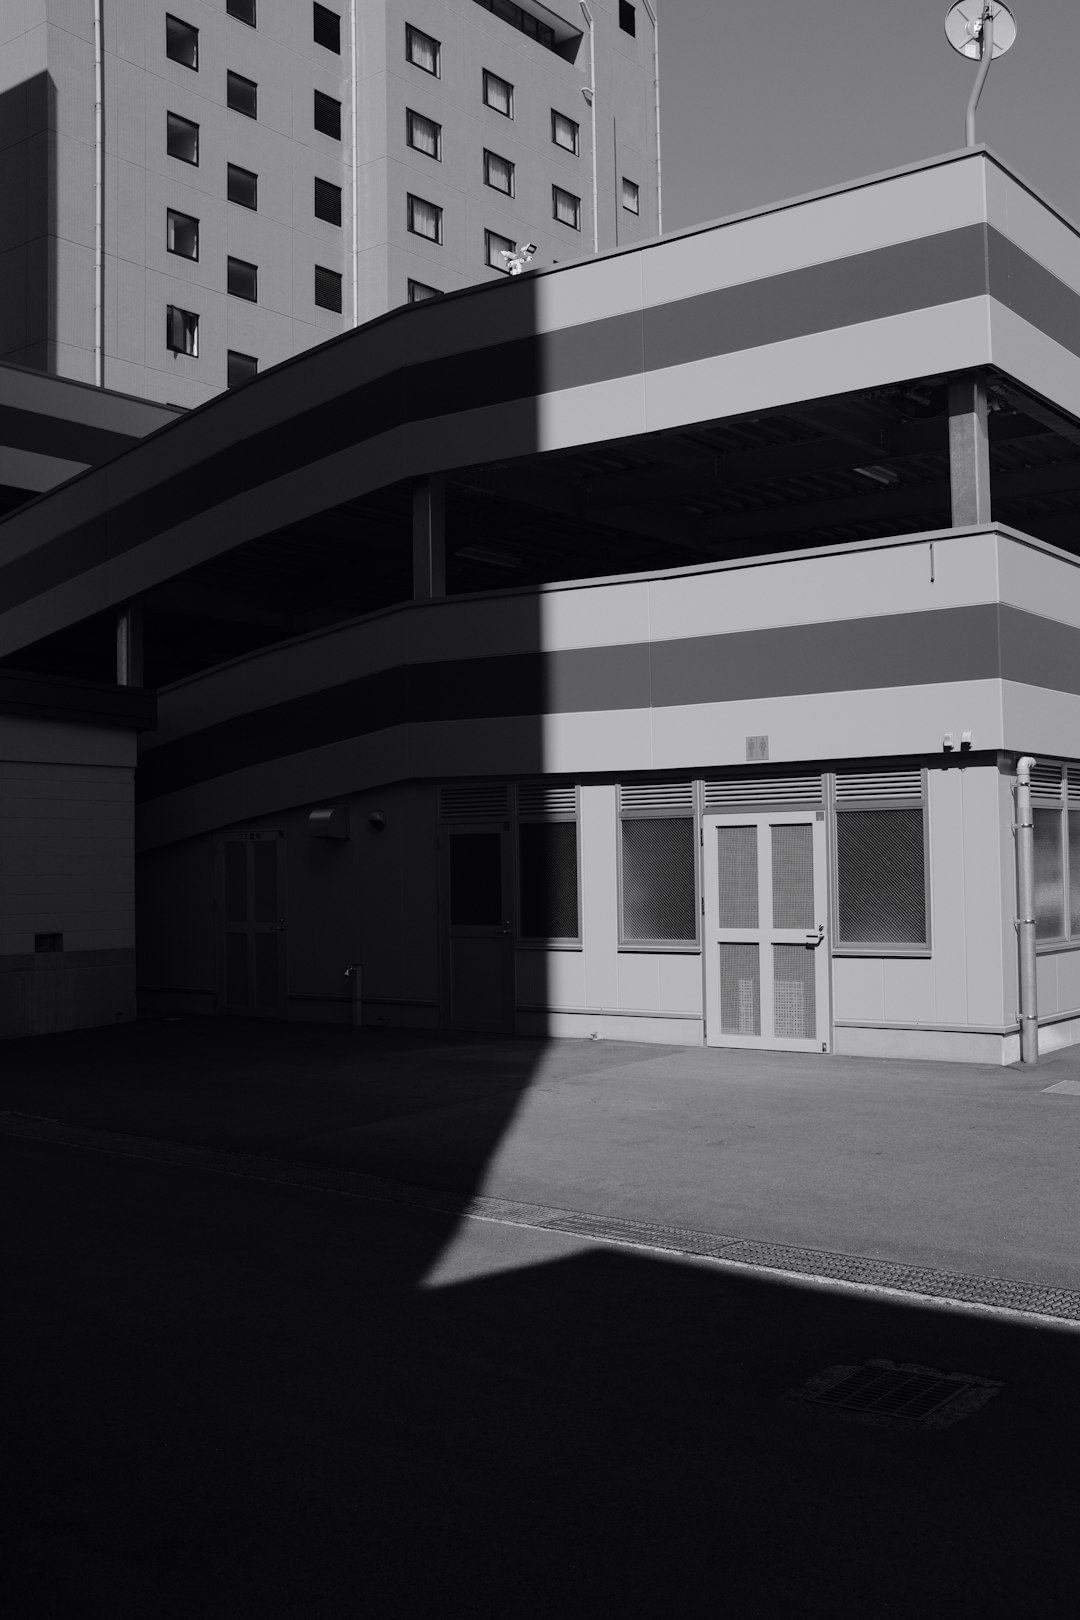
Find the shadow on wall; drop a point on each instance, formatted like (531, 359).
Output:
(28, 224)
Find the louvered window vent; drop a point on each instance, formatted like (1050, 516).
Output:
(879, 787)
(1073, 785)
(782, 790)
(540, 800)
(1046, 782)
(474, 801)
(656, 798)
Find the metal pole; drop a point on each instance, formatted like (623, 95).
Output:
(590, 97)
(986, 40)
(1025, 874)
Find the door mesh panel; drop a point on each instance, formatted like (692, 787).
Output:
(740, 990)
(736, 849)
(267, 958)
(658, 879)
(236, 885)
(793, 876)
(264, 885)
(548, 879)
(236, 969)
(476, 898)
(793, 992)
(879, 872)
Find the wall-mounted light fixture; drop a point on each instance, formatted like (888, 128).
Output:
(331, 821)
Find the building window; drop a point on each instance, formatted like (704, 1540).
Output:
(880, 876)
(181, 138)
(327, 116)
(566, 207)
(627, 18)
(242, 95)
(326, 29)
(243, 187)
(496, 248)
(422, 51)
(658, 901)
(241, 367)
(181, 330)
(181, 234)
(243, 280)
(425, 219)
(242, 10)
(564, 132)
(327, 202)
(523, 20)
(499, 173)
(327, 289)
(423, 134)
(631, 196)
(181, 42)
(547, 863)
(498, 94)
(419, 292)
(1057, 852)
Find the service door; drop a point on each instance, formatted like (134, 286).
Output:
(253, 915)
(766, 952)
(481, 943)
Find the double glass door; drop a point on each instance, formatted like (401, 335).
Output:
(766, 952)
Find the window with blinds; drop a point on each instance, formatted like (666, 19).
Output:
(658, 883)
(547, 863)
(881, 880)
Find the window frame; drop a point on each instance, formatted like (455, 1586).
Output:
(575, 126)
(547, 942)
(335, 16)
(489, 235)
(231, 354)
(636, 210)
(338, 193)
(250, 22)
(411, 33)
(411, 198)
(233, 78)
(840, 947)
(430, 292)
(410, 114)
(556, 191)
(178, 214)
(327, 270)
(244, 264)
(1067, 804)
(232, 169)
(170, 17)
(511, 191)
(488, 76)
(629, 943)
(188, 123)
(320, 96)
(193, 316)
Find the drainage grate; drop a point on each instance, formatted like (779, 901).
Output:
(1070, 1087)
(897, 1395)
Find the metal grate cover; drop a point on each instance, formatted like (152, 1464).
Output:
(878, 787)
(474, 801)
(540, 799)
(645, 798)
(895, 1395)
(764, 791)
(1046, 782)
(659, 879)
(880, 877)
(737, 876)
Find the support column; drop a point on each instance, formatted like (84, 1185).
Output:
(129, 643)
(429, 540)
(969, 452)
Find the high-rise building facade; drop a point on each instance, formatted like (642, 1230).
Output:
(193, 190)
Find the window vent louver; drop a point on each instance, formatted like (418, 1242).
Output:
(539, 800)
(1046, 782)
(879, 787)
(652, 798)
(787, 790)
(1074, 784)
(474, 801)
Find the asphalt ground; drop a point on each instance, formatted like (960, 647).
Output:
(226, 1397)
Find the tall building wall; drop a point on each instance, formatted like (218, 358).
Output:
(49, 317)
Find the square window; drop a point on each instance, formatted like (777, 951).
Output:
(327, 289)
(181, 330)
(242, 10)
(327, 202)
(242, 95)
(658, 879)
(243, 280)
(499, 173)
(880, 877)
(241, 367)
(419, 291)
(497, 249)
(181, 234)
(498, 94)
(243, 187)
(422, 51)
(425, 219)
(548, 880)
(566, 207)
(181, 42)
(627, 19)
(631, 196)
(327, 116)
(564, 131)
(326, 29)
(423, 134)
(181, 138)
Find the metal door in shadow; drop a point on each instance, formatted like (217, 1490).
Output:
(253, 923)
(478, 949)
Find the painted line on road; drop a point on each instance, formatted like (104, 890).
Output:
(995, 1297)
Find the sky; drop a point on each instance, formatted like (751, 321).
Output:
(766, 99)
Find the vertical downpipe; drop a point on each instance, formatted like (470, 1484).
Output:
(590, 97)
(99, 199)
(656, 108)
(1025, 874)
(355, 174)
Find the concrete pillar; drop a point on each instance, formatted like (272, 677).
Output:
(129, 643)
(969, 452)
(429, 540)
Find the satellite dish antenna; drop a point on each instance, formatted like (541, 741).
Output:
(981, 30)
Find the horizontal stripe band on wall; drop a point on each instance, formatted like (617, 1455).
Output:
(948, 267)
(984, 642)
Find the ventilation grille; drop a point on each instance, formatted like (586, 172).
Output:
(1074, 784)
(535, 799)
(1046, 782)
(879, 787)
(780, 790)
(649, 797)
(474, 801)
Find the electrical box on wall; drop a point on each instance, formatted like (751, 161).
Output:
(330, 822)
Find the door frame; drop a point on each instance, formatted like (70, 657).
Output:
(447, 830)
(765, 934)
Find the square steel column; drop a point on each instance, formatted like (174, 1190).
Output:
(969, 452)
(129, 643)
(429, 540)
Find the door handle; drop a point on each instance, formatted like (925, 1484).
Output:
(814, 940)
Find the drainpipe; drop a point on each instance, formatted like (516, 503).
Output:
(1025, 872)
(99, 199)
(355, 174)
(590, 97)
(656, 105)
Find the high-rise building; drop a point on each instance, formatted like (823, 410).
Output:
(193, 190)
